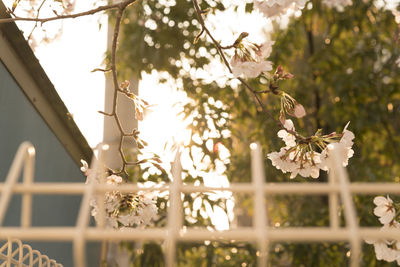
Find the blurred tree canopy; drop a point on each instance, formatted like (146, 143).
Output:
(345, 70)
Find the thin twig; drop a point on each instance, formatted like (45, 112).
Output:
(104, 113)
(37, 16)
(101, 70)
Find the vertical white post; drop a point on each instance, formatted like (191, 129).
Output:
(100, 172)
(29, 170)
(84, 212)
(82, 222)
(333, 205)
(12, 177)
(260, 209)
(339, 173)
(174, 211)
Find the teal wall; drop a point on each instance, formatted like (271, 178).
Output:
(19, 121)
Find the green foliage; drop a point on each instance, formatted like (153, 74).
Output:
(352, 72)
(158, 34)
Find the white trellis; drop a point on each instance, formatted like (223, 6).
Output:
(260, 233)
(14, 253)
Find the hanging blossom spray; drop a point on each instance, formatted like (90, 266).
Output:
(121, 210)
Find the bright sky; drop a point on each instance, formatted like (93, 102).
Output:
(68, 62)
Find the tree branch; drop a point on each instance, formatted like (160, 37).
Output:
(70, 16)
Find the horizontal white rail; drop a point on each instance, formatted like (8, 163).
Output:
(284, 234)
(269, 188)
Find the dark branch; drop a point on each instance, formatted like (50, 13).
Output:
(70, 16)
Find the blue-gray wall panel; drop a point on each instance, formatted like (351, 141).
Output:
(19, 121)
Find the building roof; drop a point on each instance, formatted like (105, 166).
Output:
(19, 59)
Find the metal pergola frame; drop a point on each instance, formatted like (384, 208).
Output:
(260, 233)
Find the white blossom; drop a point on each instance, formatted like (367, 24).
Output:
(249, 69)
(85, 167)
(383, 252)
(148, 211)
(387, 250)
(129, 220)
(288, 159)
(250, 61)
(396, 14)
(291, 159)
(338, 4)
(345, 148)
(308, 167)
(281, 161)
(272, 8)
(114, 179)
(288, 138)
(144, 213)
(131, 210)
(384, 209)
(266, 49)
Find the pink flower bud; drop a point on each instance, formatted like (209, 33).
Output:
(288, 76)
(216, 147)
(279, 70)
(332, 134)
(299, 111)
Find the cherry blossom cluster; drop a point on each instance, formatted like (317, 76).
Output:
(121, 210)
(307, 156)
(249, 60)
(273, 8)
(276, 8)
(304, 156)
(385, 210)
(59, 7)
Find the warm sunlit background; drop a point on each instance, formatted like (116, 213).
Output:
(80, 47)
(69, 59)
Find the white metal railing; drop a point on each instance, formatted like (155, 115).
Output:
(14, 253)
(260, 233)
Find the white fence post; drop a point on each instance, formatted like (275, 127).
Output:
(26, 152)
(260, 209)
(29, 172)
(338, 172)
(174, 224)
(333, 204)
